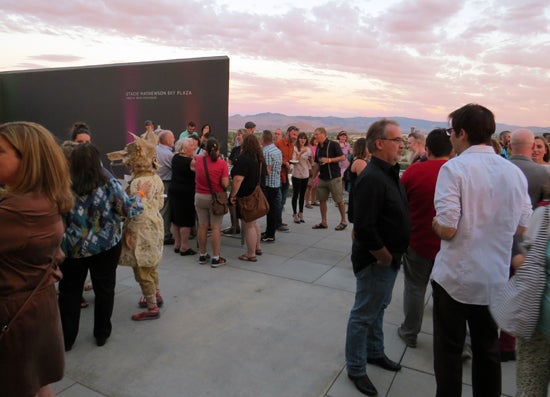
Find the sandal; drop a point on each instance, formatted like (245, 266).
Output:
(259, 252)
(160, 301)
(150, 314)
(142, 302)
(88, 286)
(309, 206)
(188, 251)
(246, 258)
(341, 226)
(83, 303)
(319, 226)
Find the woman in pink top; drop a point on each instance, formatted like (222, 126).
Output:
(219, 178)
(300, 176)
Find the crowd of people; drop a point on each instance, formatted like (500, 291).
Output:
(442, 220)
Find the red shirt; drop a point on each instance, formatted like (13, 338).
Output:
(287, 150)
(216, 170)
(419, 181)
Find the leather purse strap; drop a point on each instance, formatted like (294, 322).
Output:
(260, 174)
(208, 178)
(6, 327)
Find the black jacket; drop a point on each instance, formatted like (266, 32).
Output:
(381, 217)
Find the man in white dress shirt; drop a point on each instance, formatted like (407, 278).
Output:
(481, 202)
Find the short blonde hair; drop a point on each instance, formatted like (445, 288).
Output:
(43, 168)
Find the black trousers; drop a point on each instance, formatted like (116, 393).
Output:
(449, 322)
(299, 186)
(272, 196)
(103, 273)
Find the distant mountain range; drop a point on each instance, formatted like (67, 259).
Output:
(271, 121)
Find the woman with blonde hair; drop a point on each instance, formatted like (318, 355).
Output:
(36, 191)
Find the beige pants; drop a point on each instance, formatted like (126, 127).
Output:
(148, 280)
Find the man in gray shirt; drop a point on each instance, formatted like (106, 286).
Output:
(164, 157)
(521, 145)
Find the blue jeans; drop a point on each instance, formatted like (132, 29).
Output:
(364, 334)
(284, 192)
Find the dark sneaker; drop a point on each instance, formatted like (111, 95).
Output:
(268, 239)
(203, 259)
(218, 262)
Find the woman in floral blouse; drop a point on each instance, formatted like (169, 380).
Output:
(92, 241)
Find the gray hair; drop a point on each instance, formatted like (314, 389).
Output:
(163, 134)
(419, 136)
(377, 130)
(181, 144)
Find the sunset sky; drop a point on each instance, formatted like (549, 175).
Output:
(411, 58)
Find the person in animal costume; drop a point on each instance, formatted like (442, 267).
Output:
(143, 235)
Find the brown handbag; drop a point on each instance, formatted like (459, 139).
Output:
(219, 203)
(254, 205)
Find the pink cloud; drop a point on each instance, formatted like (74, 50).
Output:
(417, 49)
(56, 58)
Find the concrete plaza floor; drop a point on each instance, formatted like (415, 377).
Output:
(271, 328)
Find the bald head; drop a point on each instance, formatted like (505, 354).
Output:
(522, 142)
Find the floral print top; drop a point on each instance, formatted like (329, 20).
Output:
(94, 225)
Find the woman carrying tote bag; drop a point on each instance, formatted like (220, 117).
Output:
(246, 176)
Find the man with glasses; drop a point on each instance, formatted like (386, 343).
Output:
(381, 233)
(481, 202)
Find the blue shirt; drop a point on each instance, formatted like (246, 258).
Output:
(164, 158)
(94, 225)
(274, 158)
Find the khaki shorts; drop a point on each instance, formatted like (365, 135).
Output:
(332, 186)
(204, 213)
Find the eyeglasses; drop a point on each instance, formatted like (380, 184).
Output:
(448, 131)
(396, 140)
